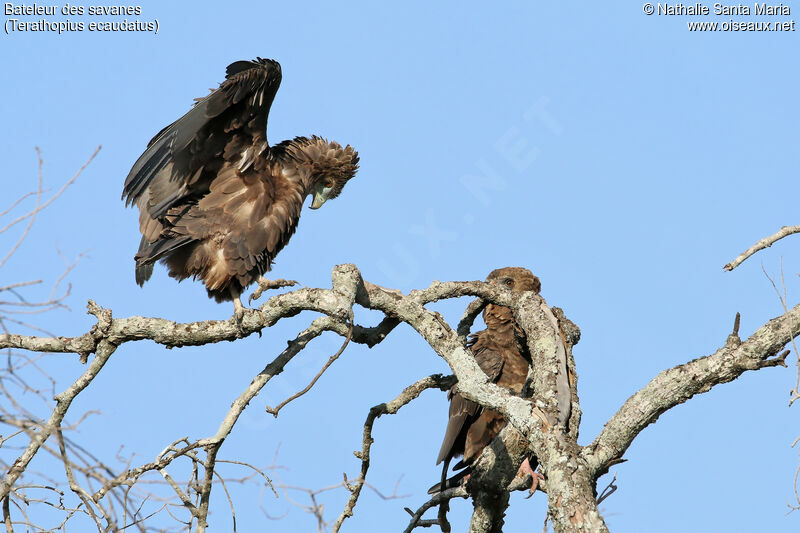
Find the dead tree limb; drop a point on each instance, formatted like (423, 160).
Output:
(539, 425)
(762, 244)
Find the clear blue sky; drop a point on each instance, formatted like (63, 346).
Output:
(619, 156)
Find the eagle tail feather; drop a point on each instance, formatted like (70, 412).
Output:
(150, 252)
(143, 273)
(451, 482)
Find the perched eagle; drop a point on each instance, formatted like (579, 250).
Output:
(215, 200)
(502, 353)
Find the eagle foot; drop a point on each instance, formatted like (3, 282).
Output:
(238, 311)
(536, 477)
(265, 284)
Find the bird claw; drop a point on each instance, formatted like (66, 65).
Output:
(238, 317)
(536, 477)
(238, 313)
(265, 284)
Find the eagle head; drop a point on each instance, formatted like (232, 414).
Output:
(517, 279)
(332, 168)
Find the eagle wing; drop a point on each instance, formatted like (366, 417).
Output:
(464, 413)
(180, 159)
(223, 131)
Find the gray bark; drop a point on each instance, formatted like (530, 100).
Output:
(544, 423)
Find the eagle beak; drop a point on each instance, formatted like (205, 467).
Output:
(319, 199)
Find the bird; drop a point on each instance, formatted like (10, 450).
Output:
(217, 202)
(501, 352)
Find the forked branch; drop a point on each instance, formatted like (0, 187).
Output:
(539, 425)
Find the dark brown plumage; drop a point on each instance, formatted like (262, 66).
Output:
(215, 201)
(501, 352)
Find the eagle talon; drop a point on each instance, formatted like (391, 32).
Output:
(265, 284)
(536, 477)
(238, 311)
(238, 317)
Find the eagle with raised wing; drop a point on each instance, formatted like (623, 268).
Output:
(216, 201)
(502, 353)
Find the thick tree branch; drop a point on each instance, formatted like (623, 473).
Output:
(489, 511)
(570, 335)
(491, 476)
(337, 303)
(544, 423)
(678, 384)
(570, 490)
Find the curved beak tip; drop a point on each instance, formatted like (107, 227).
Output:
(318, 201)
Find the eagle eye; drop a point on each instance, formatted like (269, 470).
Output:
(509, 282)
(329, 184)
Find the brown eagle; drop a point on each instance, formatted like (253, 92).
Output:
(215, 200)
(502, 353)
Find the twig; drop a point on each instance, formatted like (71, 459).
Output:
(16, 203)
(438, 498)
(144, 518)
(274, 410)
(468, 318)
(766, 242)
(55, 196)
(409, 393)
(610, 489)
(794, 394)
(38, 207)
(230, 501)
(74, 486)
(7, 516)
(104, 351)
(20, 284)
(254, 469)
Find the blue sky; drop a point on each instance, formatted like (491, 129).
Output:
(619, 156)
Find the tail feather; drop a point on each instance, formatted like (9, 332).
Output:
(451, 482)
(150, 252)
(143, 273)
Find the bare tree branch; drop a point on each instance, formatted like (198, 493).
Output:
(274, 410)
(766, 242)
(409, 393)
(437, 499)
(677, 385)
(104, 350)
(539, 425)
(40, 206)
